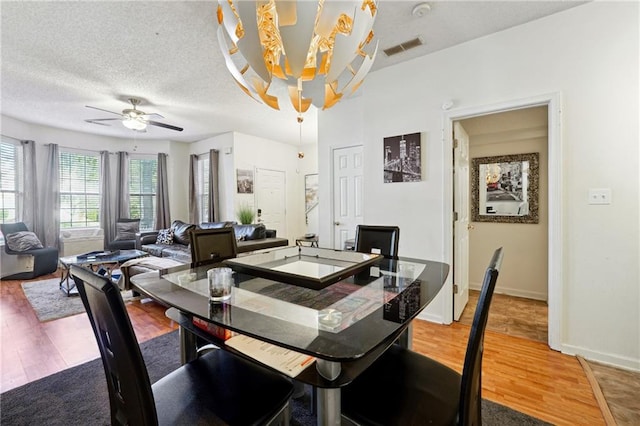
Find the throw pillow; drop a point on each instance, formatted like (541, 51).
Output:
(127, 230)
(165, 236)
(23, 241)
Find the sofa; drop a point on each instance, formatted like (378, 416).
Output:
(174, 243)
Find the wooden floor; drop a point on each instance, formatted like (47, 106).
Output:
(520, 373)
(515, 316)
(527, 318)
(31, 349)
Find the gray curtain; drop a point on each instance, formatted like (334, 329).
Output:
(51, 198)
(107, 221)
(214, 213)
(163, 215)
(194, 211)
(122, 186)
(30, 214)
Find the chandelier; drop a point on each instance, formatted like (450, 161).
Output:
(312, 52)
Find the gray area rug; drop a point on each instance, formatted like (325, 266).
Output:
(49, 302)
(79, 396)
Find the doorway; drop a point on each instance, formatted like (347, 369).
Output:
(553, 184)
(270, 199)
(519, 307)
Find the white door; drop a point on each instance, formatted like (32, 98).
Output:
(270, 199)
(461, 226)
(347, 194)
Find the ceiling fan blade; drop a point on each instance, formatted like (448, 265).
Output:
(151, 115)
(105, 110)
(166, 126)
(99, 121)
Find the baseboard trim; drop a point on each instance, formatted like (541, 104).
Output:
(513, 292)
(438, 319)
(613, 360)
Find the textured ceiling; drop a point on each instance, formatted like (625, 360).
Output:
(59, 56)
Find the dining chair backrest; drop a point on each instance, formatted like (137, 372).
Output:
(130, 395)
(382, 238)
(469, 410)
(212, 245)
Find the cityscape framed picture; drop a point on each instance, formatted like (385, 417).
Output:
(402, 158)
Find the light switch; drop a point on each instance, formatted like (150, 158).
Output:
(600, 196)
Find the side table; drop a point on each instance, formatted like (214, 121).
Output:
(313, 241)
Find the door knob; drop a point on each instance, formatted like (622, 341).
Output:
(336, 223)
(470, 227)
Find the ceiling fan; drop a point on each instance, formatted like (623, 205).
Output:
(133, 118)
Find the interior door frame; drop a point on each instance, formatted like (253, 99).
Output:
(555, 187)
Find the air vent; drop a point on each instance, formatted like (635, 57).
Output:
(409, 44)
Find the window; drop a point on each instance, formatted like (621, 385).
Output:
(79, 190)
(10, 180)
(202, 187)
(143, 178)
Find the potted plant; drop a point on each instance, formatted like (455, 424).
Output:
(245, 214)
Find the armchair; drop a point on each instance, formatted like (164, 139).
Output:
(33, 262)
(126, 230)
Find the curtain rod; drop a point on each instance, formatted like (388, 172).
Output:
(110, 152)
(205, 153)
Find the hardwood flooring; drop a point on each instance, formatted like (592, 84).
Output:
(520, 373)
(515, 316)
(31, 349)
(527, 318)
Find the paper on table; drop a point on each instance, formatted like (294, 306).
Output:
(284, 360)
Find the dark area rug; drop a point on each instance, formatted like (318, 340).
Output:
(78, 395)
(49, 302)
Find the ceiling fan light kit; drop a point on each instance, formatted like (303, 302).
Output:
(313, 52)
(134, 124)
(133, 118)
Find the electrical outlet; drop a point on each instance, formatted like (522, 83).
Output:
(599, 196)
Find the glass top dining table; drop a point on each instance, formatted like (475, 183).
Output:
(346, 325)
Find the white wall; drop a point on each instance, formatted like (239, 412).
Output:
(589, 54)
(338, 127)
(252, 152)
(241, 151)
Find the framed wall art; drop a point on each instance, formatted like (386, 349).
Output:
(505, 188)
(402, 158)
(310, 192)
(245, 181)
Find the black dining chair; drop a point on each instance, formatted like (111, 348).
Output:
(212, 245)
(217, 388)
(405, 388)
(373, 237)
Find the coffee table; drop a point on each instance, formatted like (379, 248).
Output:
(99, 259)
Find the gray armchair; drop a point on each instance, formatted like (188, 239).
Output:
(45, 260)
(126, 230)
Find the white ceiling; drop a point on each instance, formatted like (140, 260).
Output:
(59, 56)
